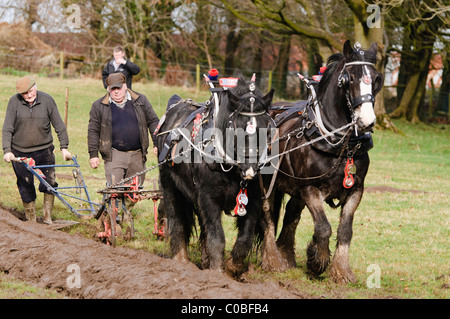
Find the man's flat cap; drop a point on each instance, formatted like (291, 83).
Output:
(23, 85)
(115, 80)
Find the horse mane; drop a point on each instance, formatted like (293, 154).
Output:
(335, 63)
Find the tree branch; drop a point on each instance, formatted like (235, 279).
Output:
(358, 8)
(283, 24)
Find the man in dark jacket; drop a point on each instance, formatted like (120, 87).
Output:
(118, 129)
(27, 133)
(122, 65)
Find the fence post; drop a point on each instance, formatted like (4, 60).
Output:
(66, 109)
(197, 77)
(61, 64)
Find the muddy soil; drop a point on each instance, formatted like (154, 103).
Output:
(48, 258)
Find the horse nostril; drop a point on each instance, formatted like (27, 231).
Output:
(366, 128)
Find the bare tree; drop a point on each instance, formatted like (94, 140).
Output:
(318, 21)
(421, 25)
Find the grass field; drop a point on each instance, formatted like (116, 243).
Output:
(403, 233)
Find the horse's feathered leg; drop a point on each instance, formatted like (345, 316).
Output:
(213, 236)
(272, 259)
(286, 240)
(179, 212)
(246, 232)
(340, 270)
(202, 241)
(318, 250)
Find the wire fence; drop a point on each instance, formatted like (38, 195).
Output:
(74, 65)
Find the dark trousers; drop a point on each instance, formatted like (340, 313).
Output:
(25, 179)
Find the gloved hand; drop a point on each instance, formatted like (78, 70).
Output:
(8, 157)
(66, 154)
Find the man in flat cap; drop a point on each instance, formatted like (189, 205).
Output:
(27, 133)
(119, 125)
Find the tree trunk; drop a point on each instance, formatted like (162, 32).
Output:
(407, 60)
(233, 41)
(258, 61)
(281, 67)
(415, 88)
(413, 116)
(315, 57)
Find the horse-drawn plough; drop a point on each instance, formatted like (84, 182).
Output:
(111, 212)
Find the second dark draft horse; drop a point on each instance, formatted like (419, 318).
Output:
(324, 157)
(208, 184)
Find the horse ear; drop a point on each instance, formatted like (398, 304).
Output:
(378, 84)
(347, 49)
(268, 97)
(374, 48)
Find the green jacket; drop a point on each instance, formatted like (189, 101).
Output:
(28, 128)
(100, 125)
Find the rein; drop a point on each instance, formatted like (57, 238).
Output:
(334, 167)
(281, 155)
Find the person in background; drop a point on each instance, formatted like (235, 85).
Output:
(120, 64)
(118, 129)
(26, 132)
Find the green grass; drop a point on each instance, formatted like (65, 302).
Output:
(14, 289)
(405, 233)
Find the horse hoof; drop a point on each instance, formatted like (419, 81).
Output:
(317, 262)
(234, 270)
(288, 258)
(279, 264)
(342, 275)
(181, 256)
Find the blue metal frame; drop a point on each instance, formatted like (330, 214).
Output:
(60, 195)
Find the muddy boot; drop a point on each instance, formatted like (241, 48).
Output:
(30, 211)
(47, 208)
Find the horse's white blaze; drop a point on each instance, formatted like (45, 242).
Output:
(365, 112)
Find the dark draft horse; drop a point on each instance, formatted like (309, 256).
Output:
(331, 168)
(209, 186)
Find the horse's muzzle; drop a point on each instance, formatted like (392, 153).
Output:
(249, 173)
